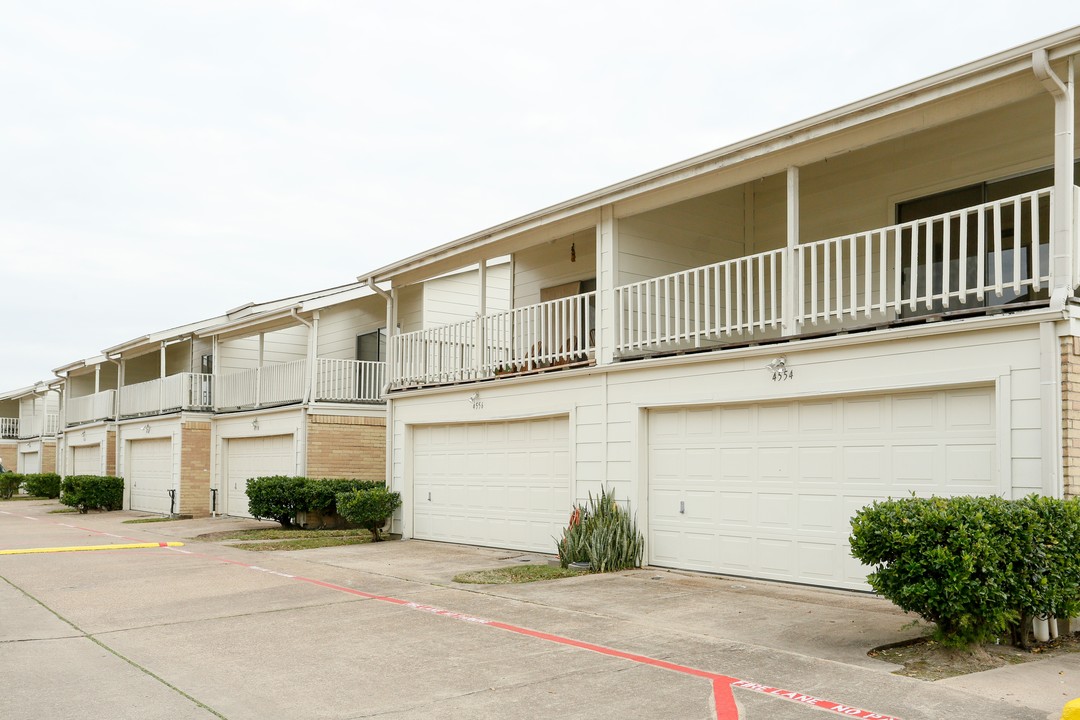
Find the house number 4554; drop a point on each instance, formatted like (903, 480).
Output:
(780, 371)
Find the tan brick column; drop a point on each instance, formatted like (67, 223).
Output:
(195, 469)
(1070, 414)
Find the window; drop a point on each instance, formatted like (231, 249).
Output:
(206, 365)
(371, 347)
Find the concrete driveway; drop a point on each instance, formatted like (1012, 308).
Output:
(208, 630)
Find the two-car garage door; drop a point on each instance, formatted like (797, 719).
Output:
(767, 490)
(498, 484)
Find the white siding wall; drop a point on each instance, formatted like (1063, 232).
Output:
(410, 308)
(280, 346)
(546, 265)
(607, 438)
(339, 326)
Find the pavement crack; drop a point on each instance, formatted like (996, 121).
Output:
(117, 654)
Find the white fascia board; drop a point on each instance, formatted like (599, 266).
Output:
(356, 293)
(80, 364)
(980, 72)
(250, 323)
(21, 392)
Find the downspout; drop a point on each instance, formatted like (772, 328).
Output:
(1062, 92)
(116, 419)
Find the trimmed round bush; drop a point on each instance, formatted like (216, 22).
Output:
(369, 508)
(93, 492)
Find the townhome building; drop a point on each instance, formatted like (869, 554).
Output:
(29, 419)
(748, 346)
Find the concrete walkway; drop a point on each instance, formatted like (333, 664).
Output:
(321, 634)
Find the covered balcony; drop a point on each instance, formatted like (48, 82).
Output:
(39, 425)
(332, 380)
(184, 391)
(989, 257)
(90, 408)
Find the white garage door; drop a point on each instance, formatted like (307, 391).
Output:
(150, 472)
(504, 484)
(255, 457)
(768, 490)
(86, 460)
(29, 462)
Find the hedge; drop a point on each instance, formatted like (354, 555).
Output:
(281, 497)
(9, 485)
(42, 485)
(92, 492)
(979, 568)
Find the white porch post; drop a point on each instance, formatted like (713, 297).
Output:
(313, 357)
(607, 278)
(214, 370)
(478, 359)
(97, 378)
(1063, 221)
(790, 272)
(258, 371)
(161, 382)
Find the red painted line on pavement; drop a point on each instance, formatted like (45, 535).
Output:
(723, 697)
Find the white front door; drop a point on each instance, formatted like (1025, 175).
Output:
(150, 473)
(247, 458)
(501, 484)
(768, 490)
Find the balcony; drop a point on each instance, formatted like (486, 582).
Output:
(347, 381)
(973, 260)
(9, 428)
(91, 408)
(32, 426)
(549, 335)
(183, 391)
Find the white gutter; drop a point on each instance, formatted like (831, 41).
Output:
(1062, 221)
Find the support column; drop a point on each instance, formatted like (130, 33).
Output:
(214, 370)
(313, 357)
(479, 339)
(607, 278)
(1064, 279)
(258, 371)
(97, 378)
(790, 273)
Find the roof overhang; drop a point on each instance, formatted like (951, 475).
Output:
(995, 68)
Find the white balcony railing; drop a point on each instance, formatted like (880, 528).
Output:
(91, 408)
(990, 254)
(549, 334)
(269, 385)
(349, 380)
(31, 426)
(9, 427)
(182, 391)
(693, 307)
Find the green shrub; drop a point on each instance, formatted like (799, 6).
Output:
(320, 495)
(92, 492)
(977, 567)
(278, 497)
(42, 485)
(603, 534)
(9, 485)
(369, 508)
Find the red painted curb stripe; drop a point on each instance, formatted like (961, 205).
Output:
(724, 701)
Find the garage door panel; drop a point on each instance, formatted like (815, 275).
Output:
(510, 488)
(150, 474)
(86, 460)
(29, 463)
(254, 457)
(789, 476)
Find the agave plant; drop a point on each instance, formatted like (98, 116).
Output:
(602, 534)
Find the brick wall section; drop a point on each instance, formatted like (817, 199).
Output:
(195, 469)
(1070, 414)
(9, 455)
(346, 447)
(48, 457)
(110, 452)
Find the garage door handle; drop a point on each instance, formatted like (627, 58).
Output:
(682, 507)
(429, 497)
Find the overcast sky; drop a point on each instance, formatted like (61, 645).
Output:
(161, 162)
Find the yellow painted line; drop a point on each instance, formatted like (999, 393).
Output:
(81, 548)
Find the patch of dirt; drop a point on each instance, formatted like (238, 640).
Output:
(927, 660)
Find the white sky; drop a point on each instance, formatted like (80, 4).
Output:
(161, 162)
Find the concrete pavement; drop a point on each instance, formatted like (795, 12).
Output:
(161, 633)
